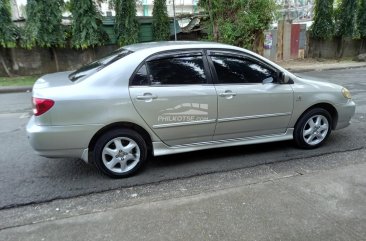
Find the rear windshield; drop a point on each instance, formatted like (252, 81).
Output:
(99, 64)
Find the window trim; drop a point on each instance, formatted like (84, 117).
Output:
(239, 55)
(174, 54)
(135, 73)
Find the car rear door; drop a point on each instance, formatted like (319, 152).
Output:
(174, 94)
(251, 102)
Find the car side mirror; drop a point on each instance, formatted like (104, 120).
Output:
(284, 78)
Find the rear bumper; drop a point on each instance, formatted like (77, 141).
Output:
(60, 141)
(345, 113)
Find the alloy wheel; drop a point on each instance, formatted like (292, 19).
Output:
(315, 130)
(121, 155)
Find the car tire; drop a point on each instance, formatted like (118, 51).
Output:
(120, 153)
(313, 128)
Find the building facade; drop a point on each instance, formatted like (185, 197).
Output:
(145, 7)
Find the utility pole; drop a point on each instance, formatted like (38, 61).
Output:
(175, 27)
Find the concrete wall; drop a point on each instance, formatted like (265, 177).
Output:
(42, 60)
(39, 61)
(330, 48)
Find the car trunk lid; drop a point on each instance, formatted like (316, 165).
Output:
(53, 80)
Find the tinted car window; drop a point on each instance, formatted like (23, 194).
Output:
(239, 70)
(177, 71)
(97, 65)
(140, 77)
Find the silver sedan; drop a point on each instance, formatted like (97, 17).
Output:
(173, 97)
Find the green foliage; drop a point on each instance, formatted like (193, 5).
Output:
(239, 22)
(86, 25)
(43, 26)
(18, 81)
(127, 27)
(323, 26)
(160, 26)
(8, 31)
(346, 19)
(361, 18)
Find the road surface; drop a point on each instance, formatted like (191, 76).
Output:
(26, 178)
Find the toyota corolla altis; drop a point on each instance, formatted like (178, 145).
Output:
(163, 98)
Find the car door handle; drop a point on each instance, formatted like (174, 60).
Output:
(227, 94)
(146, 97)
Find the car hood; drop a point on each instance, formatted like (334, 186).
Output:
(53, 80)
(320, 84)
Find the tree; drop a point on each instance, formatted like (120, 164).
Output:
(8, 31)
(346, 19)
(239, 22)
(346, 23)
(127, 27)
(161, 25)
(86, 24)
(323, 26)
(43, 26)
(361, 20)
(213, 9)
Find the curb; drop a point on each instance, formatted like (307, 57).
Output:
(323, 69)
(15, 89)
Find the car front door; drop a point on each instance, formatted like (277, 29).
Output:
(251, 101)
(175, 96)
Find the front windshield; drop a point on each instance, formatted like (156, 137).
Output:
(99, 64)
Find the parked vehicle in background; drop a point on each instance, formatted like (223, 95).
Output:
(172, 97)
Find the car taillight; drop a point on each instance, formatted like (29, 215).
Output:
(40, 106)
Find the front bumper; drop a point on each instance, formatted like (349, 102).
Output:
(60, 141)
(345, 113)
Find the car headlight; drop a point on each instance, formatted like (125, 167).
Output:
(346, 93)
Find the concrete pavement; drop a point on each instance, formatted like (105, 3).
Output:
(282, 201)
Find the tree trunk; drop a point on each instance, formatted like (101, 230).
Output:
(280, 31)
(55, 58)
(361, 46)
(258, 43)
(13, 61)
(94, 54)
(91, 54)
(2, 61)
(214, 25)
(341, 48)
(320, 47)
(216, 31)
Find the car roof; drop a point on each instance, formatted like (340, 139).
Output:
(171, 45)
(156, 47)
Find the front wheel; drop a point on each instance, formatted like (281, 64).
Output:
(313, 128)
(120, 153)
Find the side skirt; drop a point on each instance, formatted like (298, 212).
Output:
(161, 149)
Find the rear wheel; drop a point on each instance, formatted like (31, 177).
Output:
(313, 128)
(120, 153)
